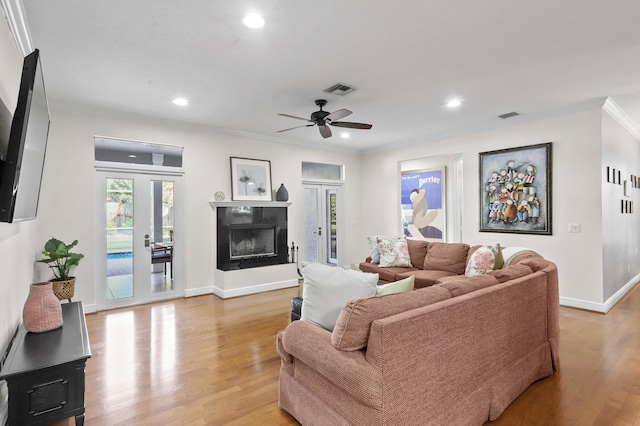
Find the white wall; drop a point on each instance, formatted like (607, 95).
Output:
(576, 195)
(18, 241)
(18, 244)
(620, 232)
(67, 201)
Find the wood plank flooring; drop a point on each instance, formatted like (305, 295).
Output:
(207, 361)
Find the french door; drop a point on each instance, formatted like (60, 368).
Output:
(323, 223)
(139, 241)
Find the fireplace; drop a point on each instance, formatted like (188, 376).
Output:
(252, 240)
(251, 236)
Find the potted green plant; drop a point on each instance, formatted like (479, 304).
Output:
(60, 259)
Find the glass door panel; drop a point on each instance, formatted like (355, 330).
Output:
(162, 229)
(119, 238)
(311, 223)
(332, 226)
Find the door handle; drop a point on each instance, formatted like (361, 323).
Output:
(146, 240)
(319, 231)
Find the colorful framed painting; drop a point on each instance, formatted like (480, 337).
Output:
(422, 204)
(515, 190)
(250, 179)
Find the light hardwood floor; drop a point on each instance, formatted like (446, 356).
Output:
(207, 361)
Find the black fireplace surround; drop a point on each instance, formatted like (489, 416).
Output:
(250, 237)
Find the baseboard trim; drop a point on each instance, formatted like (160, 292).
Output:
(261, 288)
(582, 304)
(601, 307)
(192, 292)
(90, 309)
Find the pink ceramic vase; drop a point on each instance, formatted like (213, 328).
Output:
(42, 311)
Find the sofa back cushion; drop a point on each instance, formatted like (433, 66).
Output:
(510, 272)
(463, 285)
(417, 252)
(351, 332)
(450, 257)
(535, 263)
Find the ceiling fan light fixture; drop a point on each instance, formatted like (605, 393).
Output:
(345, 135)
(253, 20)
(180, 101)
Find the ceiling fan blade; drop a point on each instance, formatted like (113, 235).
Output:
(352, 125)
(291, 128)
(293, 116)
(325, 131)
(337, 115)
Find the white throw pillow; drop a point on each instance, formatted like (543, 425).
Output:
(481, 261)
(374, 252)
(394, 253)
(327, 289)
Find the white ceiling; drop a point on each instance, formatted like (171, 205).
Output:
(407, 59)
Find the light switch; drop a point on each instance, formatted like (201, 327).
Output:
(574, 228)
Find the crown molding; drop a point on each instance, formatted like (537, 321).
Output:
(14, 11)
(623, 119)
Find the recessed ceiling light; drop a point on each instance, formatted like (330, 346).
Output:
(454, 103)
(253, 20)
(180, 101)
(345, 135)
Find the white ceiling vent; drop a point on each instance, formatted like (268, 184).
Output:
(340, 89)
(509, 115)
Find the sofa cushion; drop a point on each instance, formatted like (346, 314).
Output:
(401, 286)
(394, 253)
(351, 332)
(463, 285)
(387, 275)
(450, 257)
(417, 251)
(326, 289)
(510, 272)
(534, 262)
(424, 278)
(373, 240)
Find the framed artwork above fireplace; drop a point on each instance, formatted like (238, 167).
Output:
(250, 179)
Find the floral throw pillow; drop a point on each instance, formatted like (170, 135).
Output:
(482, 260)
(394, 253)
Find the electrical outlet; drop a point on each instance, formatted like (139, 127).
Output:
(574, 228)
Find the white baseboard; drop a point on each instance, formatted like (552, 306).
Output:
(601, 307)
(89, 309)
(244, 291)
(192, 292)
(582, 304)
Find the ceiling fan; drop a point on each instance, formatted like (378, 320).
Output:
(324, 119)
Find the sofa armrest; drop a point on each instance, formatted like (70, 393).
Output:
(312, 346)
(284, 355)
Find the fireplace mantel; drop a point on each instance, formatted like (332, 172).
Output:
(249, 203)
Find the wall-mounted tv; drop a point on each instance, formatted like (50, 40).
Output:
(22, 163)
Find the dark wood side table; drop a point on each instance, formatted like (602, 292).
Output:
(45, 371)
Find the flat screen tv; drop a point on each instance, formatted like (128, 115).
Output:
(21, 167)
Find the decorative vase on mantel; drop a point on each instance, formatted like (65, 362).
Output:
(42, 310)
(282, 194)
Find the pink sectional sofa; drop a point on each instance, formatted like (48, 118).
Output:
(456, 352)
